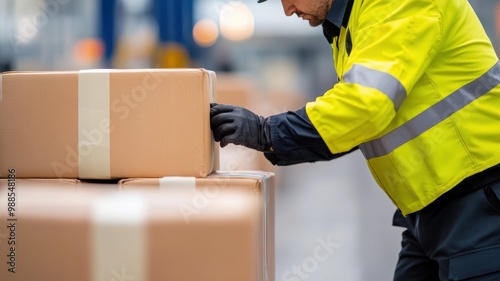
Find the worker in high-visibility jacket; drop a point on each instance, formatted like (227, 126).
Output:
(418, 93)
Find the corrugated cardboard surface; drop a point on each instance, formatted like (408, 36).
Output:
(158, 124)
(39, 183)
(259, 185)
(81, 234)
(98, 185)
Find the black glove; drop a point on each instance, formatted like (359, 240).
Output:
(240, 126)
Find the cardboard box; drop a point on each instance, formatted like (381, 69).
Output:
(107, 124)
(221, 230)
(256, 184)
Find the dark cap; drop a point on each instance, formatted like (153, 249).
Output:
(260, 1)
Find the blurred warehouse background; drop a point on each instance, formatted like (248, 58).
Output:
(275, 63)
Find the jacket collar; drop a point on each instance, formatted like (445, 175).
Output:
(337, 16)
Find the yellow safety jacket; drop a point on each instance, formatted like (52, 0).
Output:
(418, 92)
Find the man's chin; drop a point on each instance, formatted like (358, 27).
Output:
(315, 23)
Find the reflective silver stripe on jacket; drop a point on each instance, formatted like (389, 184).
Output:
(379, 80)
(433, 115)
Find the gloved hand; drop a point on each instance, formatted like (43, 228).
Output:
(240, 126)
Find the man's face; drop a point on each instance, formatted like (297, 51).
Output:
(314, 11)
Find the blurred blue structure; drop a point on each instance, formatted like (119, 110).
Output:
(175, 21)
(107, 28)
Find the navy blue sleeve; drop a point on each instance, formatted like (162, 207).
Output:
(295, 140)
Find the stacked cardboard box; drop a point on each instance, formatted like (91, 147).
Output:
(107, 124)
(110, 175)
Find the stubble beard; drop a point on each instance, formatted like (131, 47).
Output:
(318, 13)
(314, 22)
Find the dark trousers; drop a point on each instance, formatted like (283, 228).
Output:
(457, 237)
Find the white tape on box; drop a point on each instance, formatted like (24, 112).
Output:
(119, 238)
(182, 184)
(93, 124)
(212, 79)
